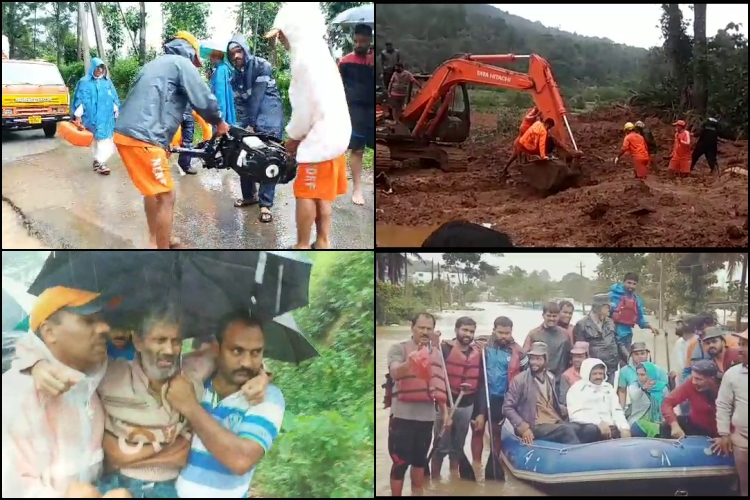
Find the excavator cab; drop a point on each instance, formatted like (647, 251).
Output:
(456, 126)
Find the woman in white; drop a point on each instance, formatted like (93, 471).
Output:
(319, 128)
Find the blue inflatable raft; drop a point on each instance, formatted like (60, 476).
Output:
(626, 460)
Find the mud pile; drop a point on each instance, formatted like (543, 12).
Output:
(612, 208)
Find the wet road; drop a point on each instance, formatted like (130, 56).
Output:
(523, 321)
(54, 192)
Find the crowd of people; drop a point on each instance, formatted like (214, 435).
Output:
(561, 385)
(81, 395)
(242, 92)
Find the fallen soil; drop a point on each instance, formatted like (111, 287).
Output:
(611, 208)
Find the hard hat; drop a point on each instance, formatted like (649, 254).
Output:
(189, 38)
(640, 124)
(713, 120)
(680, 123)
(628, 126)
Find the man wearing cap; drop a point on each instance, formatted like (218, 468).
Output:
(148, 122)
(639, 353)
(555, 338)
(715, 344)
(598, 330)
(679, 162)
(533, 407)
(626, 310)
(731, 413)
(695, 349)
(572, 375)
(46, 456)
(700, 390)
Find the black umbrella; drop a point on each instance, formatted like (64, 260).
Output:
(285, 342)
(207, 284)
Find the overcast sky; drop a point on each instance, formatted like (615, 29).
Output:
(556, 264)
(630, 24)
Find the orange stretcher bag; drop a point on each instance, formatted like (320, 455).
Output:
(199, 122)
(76, 136)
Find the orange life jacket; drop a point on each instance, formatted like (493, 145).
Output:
(626, 312)
(412, 389)
(571, 375)
(463, 369)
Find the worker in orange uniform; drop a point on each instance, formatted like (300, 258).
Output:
(679, 163)
(535, 141)
(635, 144)
(531, 117)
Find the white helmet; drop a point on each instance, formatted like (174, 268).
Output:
(640, 124)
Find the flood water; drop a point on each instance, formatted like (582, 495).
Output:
(524, 320)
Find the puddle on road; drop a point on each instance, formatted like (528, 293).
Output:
(390, 235)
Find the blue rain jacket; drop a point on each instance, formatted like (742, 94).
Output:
(98, 97)
(221, 87)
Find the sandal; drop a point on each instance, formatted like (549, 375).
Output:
(245, 203)
(100, 168)
(266, 217)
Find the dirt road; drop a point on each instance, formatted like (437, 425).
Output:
(612, 208)
(51, 193)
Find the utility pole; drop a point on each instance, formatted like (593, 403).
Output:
(580, 268)
(432, 283)
(83, 18)
(440, 289)
(661, 312)
(406, 274)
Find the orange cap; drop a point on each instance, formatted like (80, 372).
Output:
(680, 123)
(53, 299)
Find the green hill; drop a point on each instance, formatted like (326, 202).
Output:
(429, 34)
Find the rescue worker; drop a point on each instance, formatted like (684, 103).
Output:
(642, 129)
(221, 85)
(96, 107)
(535, 141)
(530, 118)
(319, 129)
(399, 88)
(148, 121)
(635, 144)
(505, 359)
(463, 363)
(707, 144)
(413, 404)
(556, 339)
(679, 162)
(388, 60)
(572, 375)
(187, 133)
(731, 413)
(626, 310)
(598, 331)
(695, 349)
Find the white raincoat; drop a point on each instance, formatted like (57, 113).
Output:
(50, 442)
(589, 403)
(320, 115)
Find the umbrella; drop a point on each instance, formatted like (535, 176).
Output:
(208, 46)
(16, 305)
(285, 342)
(206, 284)
(364, 14)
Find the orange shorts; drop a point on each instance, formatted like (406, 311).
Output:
(321, 181)
(146, 164)
(679, 165)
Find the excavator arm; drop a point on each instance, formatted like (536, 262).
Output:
(422, 119)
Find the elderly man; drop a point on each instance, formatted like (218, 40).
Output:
(43, 455)
(593, 401)
(533, 407)
(319, 128)
(599, 331)
(572, 375)
(731, 413)
(414, 400)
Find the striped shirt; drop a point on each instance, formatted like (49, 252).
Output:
(204, 476)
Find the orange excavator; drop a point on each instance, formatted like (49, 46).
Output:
(436, 119)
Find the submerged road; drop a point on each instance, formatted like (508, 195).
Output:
(51, 192)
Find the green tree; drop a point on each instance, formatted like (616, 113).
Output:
(336, 36)
(188, 16)
(577, 287)
(613, 266)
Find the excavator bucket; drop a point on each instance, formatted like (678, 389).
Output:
(550, 176)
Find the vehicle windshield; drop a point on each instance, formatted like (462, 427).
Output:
(19, 73)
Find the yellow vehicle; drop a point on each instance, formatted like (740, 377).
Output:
(34, 96)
